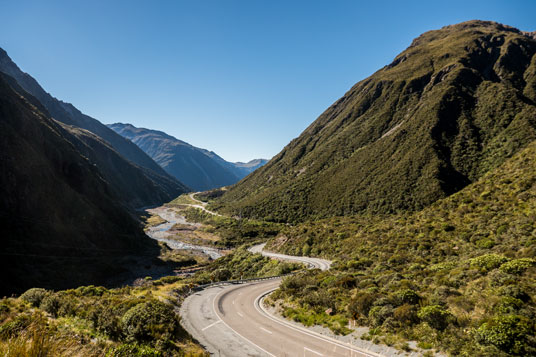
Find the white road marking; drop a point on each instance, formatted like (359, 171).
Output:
(310, 350)
(233, 302)
(239, 313)
(230, 328)
(265, 330)
(258, 306)
(212, 324)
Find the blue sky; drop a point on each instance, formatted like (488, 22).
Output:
(241, 78)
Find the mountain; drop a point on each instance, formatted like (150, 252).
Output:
(456, 103)
(198, 168)
(472, 254)
(62, 224)
(140, 180)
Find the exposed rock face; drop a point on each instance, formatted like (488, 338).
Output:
(455, 104)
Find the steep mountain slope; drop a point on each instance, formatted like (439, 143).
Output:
(164, 186)
(198, 168)
(472, 255)
(61, 223)
(456, 103)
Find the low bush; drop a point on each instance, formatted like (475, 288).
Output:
(34, 296)
(435, 316)
(488, 262)
(152, 321)
(517, 266)
(509, 333)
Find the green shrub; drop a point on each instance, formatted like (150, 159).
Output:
(488, 262)
(133, 350)
(435, 316)
(361, 303)
(168, 280)
(508, 305)
(222, 274)
(515, 291)
(407, 296)
(51, 304)
(378, 314)
(150, 321)
(91, 290)
(517, 266)
(406, 314)
(509, 333)
(15, 327)
(34, 296)
(108, 321)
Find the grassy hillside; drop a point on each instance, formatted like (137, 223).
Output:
(455, 104)
(459, 275)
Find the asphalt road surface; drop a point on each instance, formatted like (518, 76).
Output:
(230, 321)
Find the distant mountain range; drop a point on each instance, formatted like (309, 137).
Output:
(198, 168)
(455, 104)
(138, 180)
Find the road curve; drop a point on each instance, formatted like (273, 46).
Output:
(318, 263)
(231, 321)
(201, 205)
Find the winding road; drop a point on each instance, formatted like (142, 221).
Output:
(200, 204)
(231, 321)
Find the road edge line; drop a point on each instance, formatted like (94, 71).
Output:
(230, 328)
(258, 305)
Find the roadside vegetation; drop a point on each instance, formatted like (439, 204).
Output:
(459, 276)
(92, 321)
(127, 321)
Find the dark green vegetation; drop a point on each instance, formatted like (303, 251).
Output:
(61, 223)
(136, 178)
(459, 275)
(198, 168)
(455, 104)
(92, 321)
(95, 321)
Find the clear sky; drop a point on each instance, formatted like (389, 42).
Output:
(241, 78)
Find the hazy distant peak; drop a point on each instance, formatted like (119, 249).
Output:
(199, 168)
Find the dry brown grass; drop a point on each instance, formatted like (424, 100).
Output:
(39, 340)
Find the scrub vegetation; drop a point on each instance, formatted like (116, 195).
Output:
(128, 321)
(455, 104)
(458, 276)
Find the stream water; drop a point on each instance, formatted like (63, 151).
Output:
(161, 232)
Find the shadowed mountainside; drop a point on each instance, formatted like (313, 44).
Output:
(142, 182)
(61, 223)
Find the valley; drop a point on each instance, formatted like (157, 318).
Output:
(400, 222)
